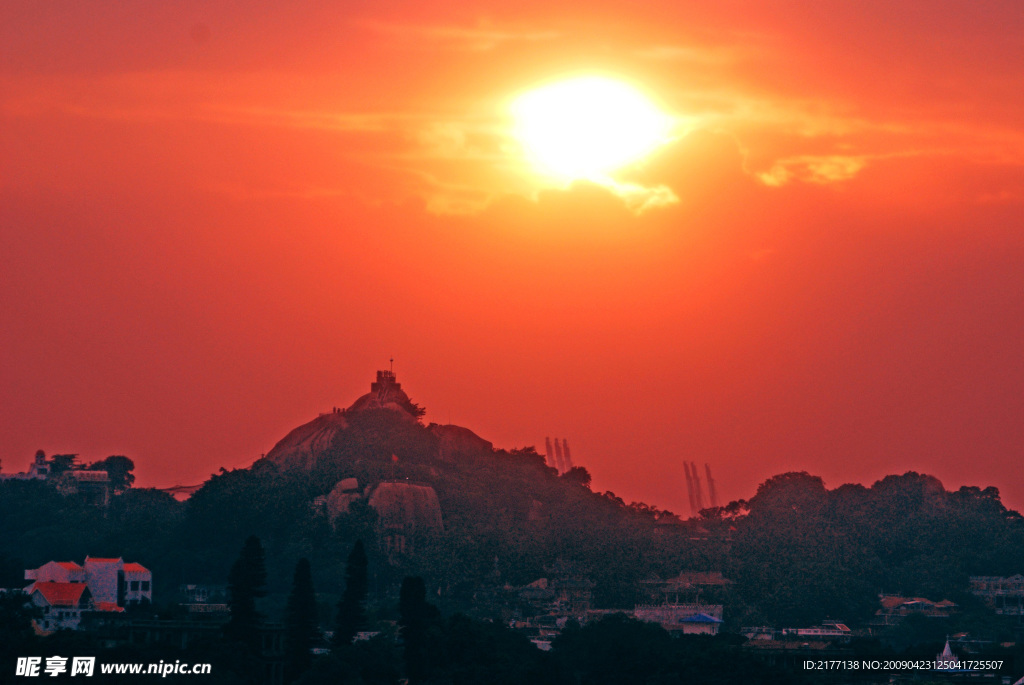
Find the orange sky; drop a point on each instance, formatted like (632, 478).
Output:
(218, 219)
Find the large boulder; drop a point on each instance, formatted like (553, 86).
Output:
(303, 447)
(407, 513)
(456, 441)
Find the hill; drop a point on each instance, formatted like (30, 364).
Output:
(442, 503)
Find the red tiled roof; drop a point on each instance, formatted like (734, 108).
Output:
(109, 606)
(60, 594)
(893, 601)
(132, 567)
(69, 565)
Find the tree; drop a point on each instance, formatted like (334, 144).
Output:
(792, 493)
(578, 475)
(247, 582)
(416, 617)
(16, 614)
(301, 622)
(119, 469)
(352, 606)
(60, 463)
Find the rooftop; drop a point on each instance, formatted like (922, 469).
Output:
(60, 594)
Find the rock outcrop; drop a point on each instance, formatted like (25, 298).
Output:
(303, 447)
(456, 441)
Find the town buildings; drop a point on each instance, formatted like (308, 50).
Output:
(68, 477)
(1004, 595)
(65, 590)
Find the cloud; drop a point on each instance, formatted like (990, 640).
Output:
(812, 169)
(640, 198)
(705, 56)
(481, 38)
(583, 208)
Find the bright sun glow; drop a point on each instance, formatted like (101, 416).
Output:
(586, 128)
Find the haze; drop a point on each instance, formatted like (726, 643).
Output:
(219, 219)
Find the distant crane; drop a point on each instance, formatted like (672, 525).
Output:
(712, 493)
(689, 489)
(558, 457)
(694, 490)
(565, 455)
(696, 487)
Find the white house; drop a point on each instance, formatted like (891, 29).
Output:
(57, 572)
(62, 604)
(112, 583)
(138, 581)
(700, 624)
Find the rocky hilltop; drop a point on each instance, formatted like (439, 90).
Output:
(310, 444)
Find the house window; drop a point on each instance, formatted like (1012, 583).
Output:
(135, 586)
(145, 586)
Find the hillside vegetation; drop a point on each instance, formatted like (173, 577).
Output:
(795, 551)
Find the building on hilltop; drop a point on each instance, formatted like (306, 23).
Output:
(386, 393)
(38, 470)
(93, 486)
(304, 446)
(307, 445)
(70, 479)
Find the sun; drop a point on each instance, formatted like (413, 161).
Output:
(586, 128)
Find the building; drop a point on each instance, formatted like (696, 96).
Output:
(93, 486)
(683, 618)
(112, 583)
(687, 603)
(1004, 595)
(57, 572)
(700, 624)
(138, 584)
(210, 600)
(39, 470)
(895, 608)
(573, 594)
(72, 479)
(62, 604)
(688, 587)
(828, 631)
